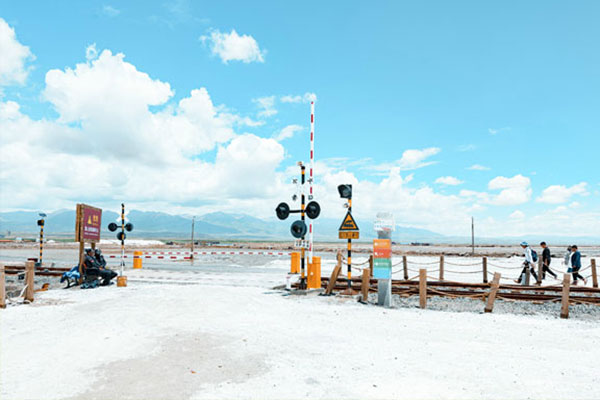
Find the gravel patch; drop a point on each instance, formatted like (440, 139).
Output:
(465, 305)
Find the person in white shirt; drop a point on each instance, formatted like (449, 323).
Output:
(528, 264)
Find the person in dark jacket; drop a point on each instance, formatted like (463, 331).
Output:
(576, 265)
(105, 273)
(546, 260)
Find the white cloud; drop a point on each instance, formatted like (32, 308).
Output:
(448, 180)
(110, 11)
(495, 131)
(515, 190)
(288, 132)
(517, 214)
(413, 159)
(477, 167)
(91, 53)
(467, 147)
(105, 150)
(557, 194)
(305, 98)
(266, 106)
(13, 57)
(233, 47)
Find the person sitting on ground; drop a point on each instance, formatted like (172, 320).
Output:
(106, 274)
(576, 266)
(546, 259)
(528, 264)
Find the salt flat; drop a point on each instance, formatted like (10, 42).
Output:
(229, 335)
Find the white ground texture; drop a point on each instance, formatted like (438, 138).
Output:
(209, 334)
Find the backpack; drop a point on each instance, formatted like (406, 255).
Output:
(534, 255)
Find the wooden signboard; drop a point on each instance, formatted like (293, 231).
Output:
(88, 222)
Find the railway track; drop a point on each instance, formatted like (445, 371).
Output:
(41, 271)
(579, 294)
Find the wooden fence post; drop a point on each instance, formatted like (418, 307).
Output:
(594, 274)
(564, 310)
(405, 264)
(485, 279)
(493, 290)
(364, 287)
(527, 273)
(441, 267)
(29, 275)
(2, 287)
(334, 274)
(422, 288)
(371, 266)
(540, 271)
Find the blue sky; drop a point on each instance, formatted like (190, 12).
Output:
(511, 87)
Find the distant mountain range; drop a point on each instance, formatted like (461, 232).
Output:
(219, 225)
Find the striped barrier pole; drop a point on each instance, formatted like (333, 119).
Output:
(312, 166)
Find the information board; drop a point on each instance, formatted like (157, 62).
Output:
(88, 223)
(382, 259)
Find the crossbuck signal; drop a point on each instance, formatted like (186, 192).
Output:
(299, 229)
(121, 234)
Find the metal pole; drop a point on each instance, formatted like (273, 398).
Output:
(302, 250)
(122, 237)
(41, 241)
(350, 253)
(312, 165)
(192, 245)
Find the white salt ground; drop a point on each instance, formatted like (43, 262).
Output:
(226, 334)
(209, 340)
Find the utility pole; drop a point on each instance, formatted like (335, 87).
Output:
(192, 246)
(472, 236)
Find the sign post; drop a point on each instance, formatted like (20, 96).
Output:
(348, 230)
(382, 257)
(88, 220)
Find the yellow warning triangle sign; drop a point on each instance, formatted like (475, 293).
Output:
(349, 223)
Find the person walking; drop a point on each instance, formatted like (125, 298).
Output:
(546, 260)
(528, 264)
(576, 265)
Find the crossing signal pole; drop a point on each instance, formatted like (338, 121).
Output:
(41, 224)
(121, 235)
(349, 229)
(298, 228)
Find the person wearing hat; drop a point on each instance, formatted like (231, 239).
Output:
(528, 264)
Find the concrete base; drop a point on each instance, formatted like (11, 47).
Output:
(384, 292)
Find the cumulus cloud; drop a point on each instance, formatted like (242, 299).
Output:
(448, 180)
(557, 194)
(233, 47)
(515, 190)
(477, 167)
(13, 57)
(305, 98)
(107, 144)
(287, 132)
